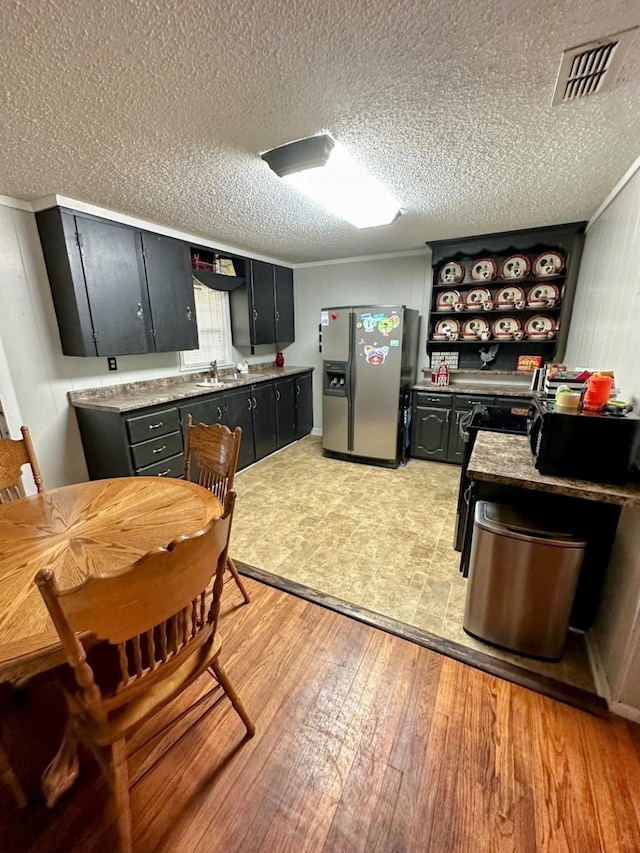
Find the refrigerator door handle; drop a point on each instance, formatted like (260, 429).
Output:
(350, 380)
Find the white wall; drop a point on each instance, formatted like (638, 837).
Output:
(604, 334)
(402, 280)
(34, 375)
(604, 326)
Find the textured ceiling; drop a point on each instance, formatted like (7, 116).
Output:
(159, 109)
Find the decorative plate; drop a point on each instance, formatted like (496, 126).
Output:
(507, 296)
(474, 327)
(539, 327)
(447, 299)
(515, 266)
(540, 293)
(451, 273)
(445, 328)
(476, 297)
(548, 264)
(505, 327)
(484, 269)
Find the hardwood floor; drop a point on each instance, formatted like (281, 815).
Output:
(364, 742)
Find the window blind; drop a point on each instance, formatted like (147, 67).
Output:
(212, 314)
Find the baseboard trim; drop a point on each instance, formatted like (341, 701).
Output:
(626, 711)
(551, 687)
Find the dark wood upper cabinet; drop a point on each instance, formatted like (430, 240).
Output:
(262, 310)
(116, 290)
(116, 287)
(283, 284)
(262, 303)
(170, 284)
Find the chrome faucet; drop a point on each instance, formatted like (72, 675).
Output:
(213, 371)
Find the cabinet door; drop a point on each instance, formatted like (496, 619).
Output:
(170, 284)
(430, 433)
(285, 332)
(304, 405)
(285, 390)
(116, 287)
(262, 303)
(208, 411)
(265, 430)
(239, 412)
(456, 440)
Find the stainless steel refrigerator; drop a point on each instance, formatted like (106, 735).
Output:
(370, 354)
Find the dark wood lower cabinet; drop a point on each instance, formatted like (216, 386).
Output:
(304, 405)
(285, 391)
(149, 442)
(430, 433)
(265, 425)
(239, 413)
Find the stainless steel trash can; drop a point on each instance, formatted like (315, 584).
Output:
(522, 581)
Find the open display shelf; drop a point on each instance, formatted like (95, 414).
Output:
(567, 240)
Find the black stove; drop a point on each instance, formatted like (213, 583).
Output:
(506, 416)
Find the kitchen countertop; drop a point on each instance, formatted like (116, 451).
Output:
(507, 459)
(158, 392)
(470, 388)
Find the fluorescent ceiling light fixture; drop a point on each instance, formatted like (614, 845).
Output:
(325, 171)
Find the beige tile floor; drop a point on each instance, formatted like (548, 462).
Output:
(377, 538)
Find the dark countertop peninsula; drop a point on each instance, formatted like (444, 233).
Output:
(507, 460)
(157, 392)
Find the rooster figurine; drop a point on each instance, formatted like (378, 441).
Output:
(488, 355)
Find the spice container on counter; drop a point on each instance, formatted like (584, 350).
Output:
(567, 400)
(597, 394)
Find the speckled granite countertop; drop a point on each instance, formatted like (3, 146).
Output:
(507, 459)
(470, 388)
(157, 392)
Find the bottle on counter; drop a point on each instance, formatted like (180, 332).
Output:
(598, 391)
(279, 362)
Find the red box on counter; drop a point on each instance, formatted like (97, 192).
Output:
(528, 363)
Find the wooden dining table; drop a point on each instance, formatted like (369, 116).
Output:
(96, 527)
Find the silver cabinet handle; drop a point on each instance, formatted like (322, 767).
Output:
(188, 312)
(164, 473)
(140, 311)
(156, 426)
(219, 413)
(277, 315)
(249, 401)
(447, 420)
(277, 395)
(159, 449)
(255, 314)
(297, 389)
(254, 402)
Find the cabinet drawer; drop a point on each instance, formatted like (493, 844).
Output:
(439, 400)
(468, 401)
(173, 467)
(156, 449)
(150, 426)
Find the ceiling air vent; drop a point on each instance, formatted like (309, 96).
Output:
(588, 68)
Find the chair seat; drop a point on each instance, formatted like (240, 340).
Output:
(124, 720)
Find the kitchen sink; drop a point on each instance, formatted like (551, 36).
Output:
(209, 384)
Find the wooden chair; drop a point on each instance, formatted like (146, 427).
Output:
(14, 453)
(159, 620)
(213, 450)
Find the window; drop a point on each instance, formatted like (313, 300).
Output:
(214, 329)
